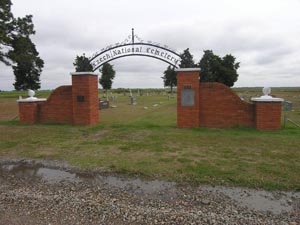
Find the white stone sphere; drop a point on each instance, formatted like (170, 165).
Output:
(31, 93)
(266, 90)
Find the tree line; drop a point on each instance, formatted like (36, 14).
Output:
(213, 68)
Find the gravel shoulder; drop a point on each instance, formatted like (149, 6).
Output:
(45, 192)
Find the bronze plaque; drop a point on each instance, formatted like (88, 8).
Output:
(187, 97)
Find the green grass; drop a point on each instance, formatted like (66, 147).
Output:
(16, 94)
(134, 140)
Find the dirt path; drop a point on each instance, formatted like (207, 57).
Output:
(40, 192)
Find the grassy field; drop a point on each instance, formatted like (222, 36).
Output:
(135, 140)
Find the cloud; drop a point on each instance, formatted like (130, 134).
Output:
(133, 80)
(6, 78)
(262, 35)
(141, 64)
(273, 55)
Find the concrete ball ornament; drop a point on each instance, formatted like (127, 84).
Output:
(266, 91)
(31, 93)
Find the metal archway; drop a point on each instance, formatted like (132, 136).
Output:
(131, 48)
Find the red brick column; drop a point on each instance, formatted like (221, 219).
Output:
(85, 98)
(188, 97)
(268, 115)
(28, 112)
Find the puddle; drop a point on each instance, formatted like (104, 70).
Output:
(274, 202)
(46, 174)
(161, 189)
(258, 199)
(164, 189)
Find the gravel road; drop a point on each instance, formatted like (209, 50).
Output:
(39, 192)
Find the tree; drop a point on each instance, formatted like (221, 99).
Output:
(17, 49)
(187, 60)
(169, 78)
(6, 27)
(107, 76)
(28, 65)
(82, 64)
(11, 28)
(217, 69)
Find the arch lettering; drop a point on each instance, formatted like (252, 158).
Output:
(131, 48)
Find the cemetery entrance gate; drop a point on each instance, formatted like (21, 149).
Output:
(198, 104)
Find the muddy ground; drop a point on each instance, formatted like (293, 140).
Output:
(48, 192)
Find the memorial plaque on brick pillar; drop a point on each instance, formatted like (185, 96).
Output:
(85, 98)
(188, 97)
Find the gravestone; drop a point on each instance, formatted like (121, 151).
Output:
(103, 104)
(133, 100)
(244, 98)
(287, 106)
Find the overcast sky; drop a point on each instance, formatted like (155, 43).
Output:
(264, 35)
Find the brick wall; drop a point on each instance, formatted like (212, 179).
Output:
(220, 107)
(217, 106)
(214, 105)
(58, 108)
(64, 106)
(268, 115)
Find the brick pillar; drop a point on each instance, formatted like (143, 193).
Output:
(85, 98)
(188, 97)
(268, 115)
(29, 109)
(28, 112)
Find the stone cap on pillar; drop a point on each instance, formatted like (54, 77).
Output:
(32, 100)
(31, 97)
(84, 73)
(266, 97)
(188, 70)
